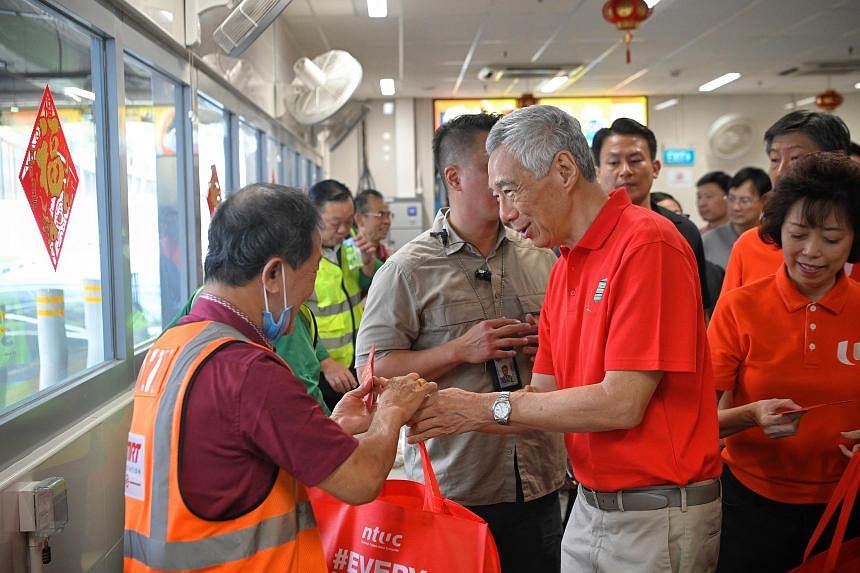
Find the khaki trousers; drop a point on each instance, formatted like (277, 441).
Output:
(660, 540)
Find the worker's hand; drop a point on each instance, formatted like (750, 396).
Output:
(531, 338)
(493, 338)
(351, 412)
(855, 435)
(338, 376)
(366, 248)
(405, 393)
(775, 424)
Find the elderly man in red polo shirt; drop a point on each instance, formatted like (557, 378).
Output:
(622, 368)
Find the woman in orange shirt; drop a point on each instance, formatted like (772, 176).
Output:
(785, 341)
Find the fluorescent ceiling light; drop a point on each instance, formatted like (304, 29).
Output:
(719, 82)
(801, 102)
(629, 79)
(388, 107)
(652, 3)
(552, 84)
(857, 86)
(77, 93)
(377, 8)
(386, 86)
(666, 104)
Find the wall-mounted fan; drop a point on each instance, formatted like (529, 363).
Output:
(322, 86)
(731, 136)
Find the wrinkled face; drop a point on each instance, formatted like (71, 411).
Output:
(745, 205)
(524, 203)
(337, 221)
(813, 255)
(711, 202)
(625, 161)
(375, 222)
(785, 149)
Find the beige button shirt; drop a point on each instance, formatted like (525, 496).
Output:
(424, 296)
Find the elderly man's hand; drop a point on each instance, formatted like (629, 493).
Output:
(405, 393)
(775, 424)
(447, 413)
(493, 338)
(855, 435)
(338, 376)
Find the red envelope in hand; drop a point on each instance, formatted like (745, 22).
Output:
(367, 379)
(815, 407)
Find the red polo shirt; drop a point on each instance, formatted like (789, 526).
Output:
(627, 297)
(769, 341)
(246, 416)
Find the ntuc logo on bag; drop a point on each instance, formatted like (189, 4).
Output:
(382, 539)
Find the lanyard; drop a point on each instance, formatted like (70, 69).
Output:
(496, 307)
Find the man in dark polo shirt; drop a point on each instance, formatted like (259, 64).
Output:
(243, 418)
(626, 156)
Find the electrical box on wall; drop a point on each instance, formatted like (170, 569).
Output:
(43, 507)
(407, 223)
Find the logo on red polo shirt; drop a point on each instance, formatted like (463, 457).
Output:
(601, 288)
(842, 352)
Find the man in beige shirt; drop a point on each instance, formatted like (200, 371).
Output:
(457, 305)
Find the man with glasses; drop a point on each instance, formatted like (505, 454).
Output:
(746, 200)
(373, 219)
(347, 267)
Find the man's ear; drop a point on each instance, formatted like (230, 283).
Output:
(272, 274)
(566, 168)
(657, 167)
(451, 175)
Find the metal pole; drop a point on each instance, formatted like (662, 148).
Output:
(4, 358)
(53, 347)
(93, 321)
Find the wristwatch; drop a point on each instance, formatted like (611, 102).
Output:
(502, 408)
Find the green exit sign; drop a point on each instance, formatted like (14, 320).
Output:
(679, 156)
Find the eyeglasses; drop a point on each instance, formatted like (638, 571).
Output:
(382, 215)
(742, 201)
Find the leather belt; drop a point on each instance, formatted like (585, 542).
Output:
(650, 498)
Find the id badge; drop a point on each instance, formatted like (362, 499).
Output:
(505, 374)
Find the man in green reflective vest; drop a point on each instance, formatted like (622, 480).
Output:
(346, 269)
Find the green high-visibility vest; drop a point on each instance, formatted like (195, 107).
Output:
(338, 307)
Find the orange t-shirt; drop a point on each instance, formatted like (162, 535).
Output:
(769, 341)
(627, 297)
(752, 259)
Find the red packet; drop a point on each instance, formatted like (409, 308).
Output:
(367, 379)
(815, 407)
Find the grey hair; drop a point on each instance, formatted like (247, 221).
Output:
(535, 134)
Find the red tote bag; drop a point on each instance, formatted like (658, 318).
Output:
(842, 556)
(408, 528)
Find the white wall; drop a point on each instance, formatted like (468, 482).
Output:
(685, 125)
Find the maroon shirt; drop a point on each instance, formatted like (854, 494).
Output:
(245, 416)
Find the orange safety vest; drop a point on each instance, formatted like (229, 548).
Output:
(161, 533)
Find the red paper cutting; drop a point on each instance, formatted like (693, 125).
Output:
(49, 178)
(213, 197)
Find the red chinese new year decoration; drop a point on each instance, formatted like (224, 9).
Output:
(526, 100)
(626, 15)
(49, 178)
(213, 196)
(828, 100)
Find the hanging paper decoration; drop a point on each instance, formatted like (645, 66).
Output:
(626, 15)
(526, 100)
(49, 178)
(213, 197)
(828, 100)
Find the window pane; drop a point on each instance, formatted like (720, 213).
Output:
(249, 158)
(51, 326)
(153, 203)
(273, 161)
(212, 148)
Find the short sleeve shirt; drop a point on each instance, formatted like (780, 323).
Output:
(769, 341)
(626, 297)
(246, 416)
(426, 295)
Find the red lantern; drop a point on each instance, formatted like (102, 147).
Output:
(526, 100)
(828, 100)
(626, 15)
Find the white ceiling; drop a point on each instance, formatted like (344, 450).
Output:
(682, 45)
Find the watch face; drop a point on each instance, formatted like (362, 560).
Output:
(501, 410)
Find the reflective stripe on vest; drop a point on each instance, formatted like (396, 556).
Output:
(281, 518)
(338, 307)
(212, 551)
